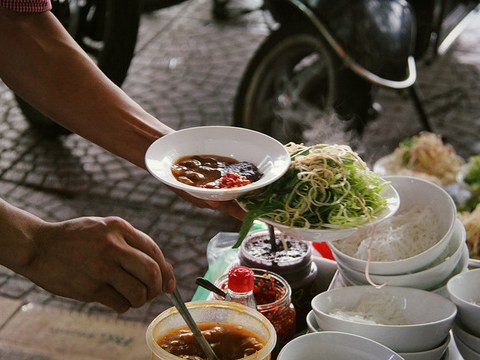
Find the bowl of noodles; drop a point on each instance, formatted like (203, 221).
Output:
(411, 240)
(429, 278)
(327, 194)
(404, 319)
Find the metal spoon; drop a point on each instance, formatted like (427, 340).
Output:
(207, 284)
(178, 302)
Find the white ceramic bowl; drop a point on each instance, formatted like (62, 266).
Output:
(461, 267)
(417, 320)
(432, 354)
(334, 345)
(464, 291)
(466, 351)
(269, 155)
(466, 337)
(412, 192)
(426, 279)
(312, 325)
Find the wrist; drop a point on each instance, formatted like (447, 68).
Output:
(19, 229)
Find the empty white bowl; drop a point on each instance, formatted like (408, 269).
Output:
(428, 278)
(464, 291)
(334, 345)
(269, 155)
(466, 337)
(412, 192)
(405, 319)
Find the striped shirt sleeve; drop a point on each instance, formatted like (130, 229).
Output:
(27, 6)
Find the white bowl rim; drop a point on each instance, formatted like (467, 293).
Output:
(474, 273)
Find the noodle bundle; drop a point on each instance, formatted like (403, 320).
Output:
(406, 234)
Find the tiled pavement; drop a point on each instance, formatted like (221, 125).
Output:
(185, 72)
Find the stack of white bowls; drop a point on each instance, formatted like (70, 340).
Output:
(432, 268)
(464, 291)
(414, 323)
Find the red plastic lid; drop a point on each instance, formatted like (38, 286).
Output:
(240, 279)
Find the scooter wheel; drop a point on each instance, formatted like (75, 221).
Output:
(295, 88)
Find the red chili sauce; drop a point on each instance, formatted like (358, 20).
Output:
(271, 302)
(229, 342)
(214, 171)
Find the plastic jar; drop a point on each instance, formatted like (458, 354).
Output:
(294, 263)
(273, 297)
(211, 311)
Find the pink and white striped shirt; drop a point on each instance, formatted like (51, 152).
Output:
(27, 6)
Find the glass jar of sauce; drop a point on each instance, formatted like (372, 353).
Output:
(290, 258)
(273, 296)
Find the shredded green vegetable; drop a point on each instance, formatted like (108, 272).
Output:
(326, 186)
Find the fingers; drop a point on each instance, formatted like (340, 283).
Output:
(110, 297)
(145, 261)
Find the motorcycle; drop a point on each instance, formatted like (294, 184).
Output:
(107, 30)
(325, 58)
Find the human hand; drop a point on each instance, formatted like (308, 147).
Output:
(103, 260)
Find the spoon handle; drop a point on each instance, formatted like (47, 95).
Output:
(210, 286)
(177, 301)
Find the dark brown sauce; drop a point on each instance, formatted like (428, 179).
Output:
(214, 171)
(229, 342)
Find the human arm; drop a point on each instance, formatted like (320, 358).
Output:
(90, 259)
(45, 66)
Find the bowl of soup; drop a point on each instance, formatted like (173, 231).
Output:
(217, 163)
(233, 330)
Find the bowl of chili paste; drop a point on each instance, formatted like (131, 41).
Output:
(217, 163)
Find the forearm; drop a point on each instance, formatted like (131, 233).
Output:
(47, 68)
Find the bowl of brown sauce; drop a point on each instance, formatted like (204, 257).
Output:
(217, 163)
(233, 330)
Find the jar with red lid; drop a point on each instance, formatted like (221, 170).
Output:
(290, 258)
(273, 297)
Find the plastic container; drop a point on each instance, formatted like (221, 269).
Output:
(212, 311)
(273, 297)
(294, 264)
